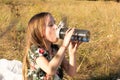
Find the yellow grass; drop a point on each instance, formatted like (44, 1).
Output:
(96, 60)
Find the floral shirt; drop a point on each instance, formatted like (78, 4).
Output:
(34, 71)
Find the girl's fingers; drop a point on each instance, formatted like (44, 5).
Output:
(70, 30)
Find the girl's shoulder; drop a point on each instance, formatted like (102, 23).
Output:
(35, 52)
(36, 49)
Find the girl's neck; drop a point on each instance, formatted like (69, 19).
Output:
(49, 48)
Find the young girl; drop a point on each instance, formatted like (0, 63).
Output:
(43, 59)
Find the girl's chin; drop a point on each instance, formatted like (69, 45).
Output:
(55, 40)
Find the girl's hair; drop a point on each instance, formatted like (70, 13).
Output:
(35, 35)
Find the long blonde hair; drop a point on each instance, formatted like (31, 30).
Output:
(35, 35)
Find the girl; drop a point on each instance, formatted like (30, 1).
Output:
(43, 59)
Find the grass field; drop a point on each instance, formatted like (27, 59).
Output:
(98, 59)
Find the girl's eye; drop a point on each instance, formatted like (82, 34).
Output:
(51, 25)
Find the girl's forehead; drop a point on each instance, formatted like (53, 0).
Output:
(49, 18)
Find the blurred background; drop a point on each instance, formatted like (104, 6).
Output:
(98, 59)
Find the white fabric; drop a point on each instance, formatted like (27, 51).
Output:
(10, 69)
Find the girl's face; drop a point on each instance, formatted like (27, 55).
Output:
(50, 32)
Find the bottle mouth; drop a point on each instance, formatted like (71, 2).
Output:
(57, 32)
(60, 25)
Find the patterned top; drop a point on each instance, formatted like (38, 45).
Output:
(34, 71)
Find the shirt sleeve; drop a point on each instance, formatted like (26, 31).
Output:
(37, 52)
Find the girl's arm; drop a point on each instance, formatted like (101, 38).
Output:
(70, 67)
(51, 67)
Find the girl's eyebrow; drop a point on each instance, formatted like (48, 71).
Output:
(52, 21)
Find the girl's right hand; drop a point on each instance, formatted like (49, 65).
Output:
(68, 36)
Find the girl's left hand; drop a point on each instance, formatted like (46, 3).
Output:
(73, 47)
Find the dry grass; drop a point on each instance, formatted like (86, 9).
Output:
(97, 60)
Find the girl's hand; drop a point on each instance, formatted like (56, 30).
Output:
(73, 47)
(68, 36)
